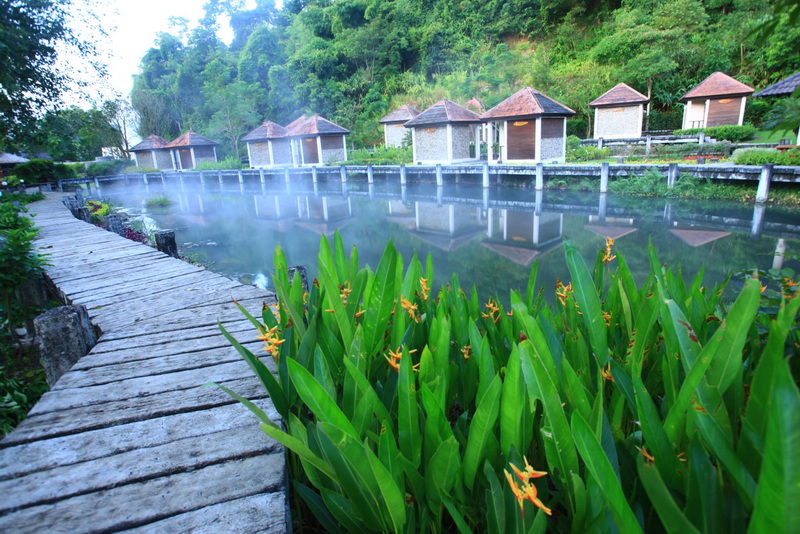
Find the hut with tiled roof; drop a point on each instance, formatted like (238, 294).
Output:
(191, 149)
(443, 132)
(784, 87)
(153, 153)
(317, 141)
(268, 146)
(719, 100)
(532, 128)
(394, 130)
(618, 113)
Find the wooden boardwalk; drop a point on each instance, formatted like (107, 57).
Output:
(130, 439)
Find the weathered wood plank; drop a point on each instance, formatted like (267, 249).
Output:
(142, 503)
(77, 448)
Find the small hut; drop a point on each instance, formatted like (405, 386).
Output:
(532, 127)
(618, 113)
(719, 100)
(153, 153)
(268, 146)
(394, 130)
(442, 133)
(785, 87)
(191, 149)
(317, 141)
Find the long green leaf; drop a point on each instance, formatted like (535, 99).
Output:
(511, 406)
(777, 500)
(408, 427)
(480, 430)
(298, 447)
(589, 301)
(318, 400)
(672, 517)
(380, 301)
(600, 469)
(443, 470)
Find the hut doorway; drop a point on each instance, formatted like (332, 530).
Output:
(186, 158)
(310, 152)
(521, 140)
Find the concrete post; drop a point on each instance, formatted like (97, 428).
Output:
(701, 138)
(219, 177)
(439, 180)
(371, 187)
(162, 178)
(96, 183)
(165, 242)
(763, 183)
(602, 208)
(780, 250)
(402, 174)
(539, 197)
(672, 175)
(286, 175)
(648, 145)
(539, 176)
(439, 196)
(759, 209)
(486, 174)
(403, 193)
(343, 173)
(241, 177)
(370, 176)
(144, 178)
(261, 174)
(604, 177)
(486, 198)
(314, 174)
(599, 143)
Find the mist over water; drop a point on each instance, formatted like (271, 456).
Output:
(488, 237)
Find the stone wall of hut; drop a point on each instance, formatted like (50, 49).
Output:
(394, 134)
(144, 159)
(619, 122)
(332, 149)
(553, 147)
(282, 151)
(462, 135)
(259, 153)
(203, 154)
(163, 159)
(430, 143)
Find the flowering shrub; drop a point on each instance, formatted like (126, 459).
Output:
(618, 408)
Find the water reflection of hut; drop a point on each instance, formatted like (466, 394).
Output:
(268, 146)
(696, 238)
(522, 236)
(317, 141)
(153, 152)
(394, 130)
(618, 112)
(447, 227)
(191, 149)
(325, 215)
(533, 127)
(718, 100)
(402, 214)
(443, 132)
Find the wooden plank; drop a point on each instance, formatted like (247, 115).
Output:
(47, 454)
(264, 513)
(142, 503)
(94, 416)
(135, 465)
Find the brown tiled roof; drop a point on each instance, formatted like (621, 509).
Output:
(267, 130)
(444, 112)
(475, 105)
(191, 139)
(402, 114)
(315, 125)
(295, 122)
(526, 103)
(786, 86)
(718, 85)
(618, 95)
(152, 142)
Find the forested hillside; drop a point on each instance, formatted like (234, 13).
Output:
(353, 61)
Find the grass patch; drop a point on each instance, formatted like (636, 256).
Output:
(160, 201)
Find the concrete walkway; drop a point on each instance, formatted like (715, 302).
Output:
(130, 439)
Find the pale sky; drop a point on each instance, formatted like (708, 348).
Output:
(132, 28)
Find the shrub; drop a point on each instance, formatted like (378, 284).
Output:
(573, 142)
(379, 156)
(97, 210)
(587, 153)
(159, 201)
(38, 171)
(229, 163)
(412, 411)
(107, 168)
(729, 133)
(762, 156)
(133, 169)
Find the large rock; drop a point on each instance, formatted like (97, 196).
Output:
(64, 335)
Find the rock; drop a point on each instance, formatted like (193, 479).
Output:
(64, 335)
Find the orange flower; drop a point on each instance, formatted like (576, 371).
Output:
(272, 342)
(606, 371)
(465, 352)
(410, 308)
(527, 491)
(344, 293)
(423, 284)
(607, 318)
(494, 311)
(396, 356)
(607, 256)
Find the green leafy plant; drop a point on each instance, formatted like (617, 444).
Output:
(229, 163)
(159, 201)
(107, 168)
(18, 395)
(587, 153)
(97, 210)
(133, 169)
(619, 408)
(762, 156)
(38, 171)
(379, 156)
(732, 133)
